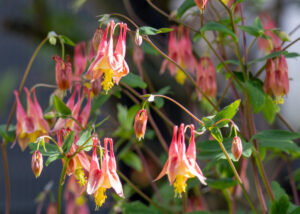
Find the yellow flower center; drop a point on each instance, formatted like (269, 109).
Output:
(100, 197)
(179, 185)
(180, 77)
(80, 177)
(108, 81)
(279, 100)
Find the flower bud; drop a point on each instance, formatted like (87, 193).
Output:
(138, 38)
(140, 123)
(237, 147)
(37, 163)
(63, 73)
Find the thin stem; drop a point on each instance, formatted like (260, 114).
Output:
(251, 44)
(6, 178)
(181, 106)
(42, 85)
(292, 182)
(292, 43)
(237, 176)
(143, 195)
(62, 48)
(260, 71)
(77, 122)
(61, 183)
(285, 122)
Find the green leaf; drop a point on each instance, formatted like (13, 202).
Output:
(146, 30)
(83, 138)
(270, 109)
(214, 26)
(256, 95)
(10, 135)
(216, 133)
(99, 101)
(227, 113)
(66, 40)
(132, 160)
(220, 65)
(281, 205)
(251, 30)
(211, 149)
(276, 135)
(68, 142)
(187, 4)
(275, 54)
(134, 81)
(221, 183)
(51, 149)
(53, 157)
(159, 102)
(138, 207)
(61, 108)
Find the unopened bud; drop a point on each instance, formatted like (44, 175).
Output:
(52, 37)
(140, 123)
(237, 147)
(284, 36)
(138, 38)
(63, 73)
(37, 163)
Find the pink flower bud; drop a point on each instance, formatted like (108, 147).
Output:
(237, 148)
(63, 73)
(138, 39)
(140, 123)
(37, 163)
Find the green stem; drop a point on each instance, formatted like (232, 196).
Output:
(252, 43)
(62, 48)
(144, 196)
(61, 183)
(6, 178)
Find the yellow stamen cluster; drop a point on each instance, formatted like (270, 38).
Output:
(279, 100)
(100, 197)
(179, 185)
(108, 81)
(180, 77)
(80, 177)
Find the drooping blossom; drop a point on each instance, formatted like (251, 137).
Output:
(63, 73)
(179, 50)
(140, 123)
(77, 165)
(267, 45)
(206, 78)
(109, 62)
(76, 203)
(277, 81)
(30, 124)
(237, 147)
(37, 163)
(80, 60)
(81, 116)
(201, 4)
(181, 163)
(102, 179)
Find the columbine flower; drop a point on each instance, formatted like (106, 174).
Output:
(206, 78)
(102, 179)
(277, 80)
(237, 147)
(108, 61)
(180, 50)
(37, 163)
(201, 4)
(80, 60)
(30, 125)
(269, 44)
(140, 123)
(63, 73)
(181, 164)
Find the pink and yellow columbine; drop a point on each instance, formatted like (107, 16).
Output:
(140, 123)
(179, 50)
(102, 179)
(63, 73)
(181, 164)
(277, 80)
(206, 78)
(110, 62)
(32, 124)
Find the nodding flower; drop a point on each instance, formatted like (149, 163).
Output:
(179, 50)
(63, 73)
(102, 179)
(206, 77)
(140, 123)
(277, 80)
(181, 163)
(37, 163)
(267, 45)
(201, 4)
(30, 124)
(109, 61)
